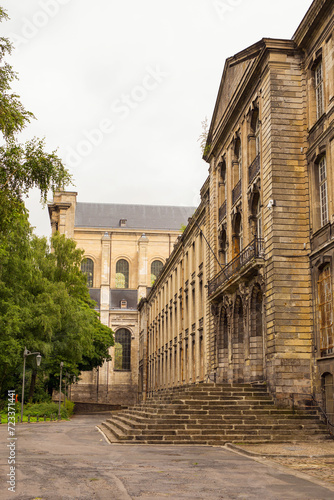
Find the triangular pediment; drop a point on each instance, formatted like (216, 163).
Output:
(236, 71)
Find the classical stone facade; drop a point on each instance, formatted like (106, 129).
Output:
(266, 226)
(125, 247)
(317, 44)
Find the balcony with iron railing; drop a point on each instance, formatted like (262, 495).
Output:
(254, 169)
(222, 211)
(236, 192)
(240, 263)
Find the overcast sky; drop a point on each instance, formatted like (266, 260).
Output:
(120, 87)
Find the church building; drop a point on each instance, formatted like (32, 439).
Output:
(125, 248)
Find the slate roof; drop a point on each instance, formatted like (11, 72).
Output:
(108, 215)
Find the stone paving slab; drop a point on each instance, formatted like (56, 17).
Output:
(72, 461)
(313, 458)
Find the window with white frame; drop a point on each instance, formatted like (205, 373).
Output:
(323, 190)
(319, 90)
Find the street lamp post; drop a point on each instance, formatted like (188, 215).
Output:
(38, 361)
(66, 384)
(61, 371)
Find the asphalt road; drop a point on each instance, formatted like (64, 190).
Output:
(73, 461)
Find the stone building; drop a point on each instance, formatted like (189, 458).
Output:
(260, 246)
(125, 248)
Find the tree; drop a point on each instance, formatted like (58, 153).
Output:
(45, 305)
(44, 300)
(22, 166)
(204, 134)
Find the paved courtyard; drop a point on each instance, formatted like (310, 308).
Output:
(73, 461)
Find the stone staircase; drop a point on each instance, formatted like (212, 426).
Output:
(212, 414)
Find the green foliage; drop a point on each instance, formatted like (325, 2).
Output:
(44, 300)
(45, 409)
(45, 305)
(204, 135)
(22, 166)
(69, 405)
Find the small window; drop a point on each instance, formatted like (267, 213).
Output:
(122, 350)
(156, 267)
(87, 267)
(124, 304)
(122, 274)
(319, 90)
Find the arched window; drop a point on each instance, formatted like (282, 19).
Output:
(87, 267)
(122, 350)
(122, 274)
(156, 267)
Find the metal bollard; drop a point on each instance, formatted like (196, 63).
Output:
(28, 419)
(44, 418)
(37, 418)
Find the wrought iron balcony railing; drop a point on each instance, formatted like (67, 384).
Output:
(236, 192)
(254, 169)
(222, 211)
(253, 251)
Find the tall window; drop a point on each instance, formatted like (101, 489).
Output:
(222, 238)
(156, 267)
(257, 135)
(122, 274)
(325, 311)
(323, 191)
(87, 267)
(237, 236)
(258, 219)
(238, 160)
(122, 350)
(319, 90)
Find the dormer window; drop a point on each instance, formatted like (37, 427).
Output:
(122, 222)
(124, 304)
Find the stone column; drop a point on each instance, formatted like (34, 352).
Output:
(105, 278)
(142, 266)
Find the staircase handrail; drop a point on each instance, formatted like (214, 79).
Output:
(318, 404)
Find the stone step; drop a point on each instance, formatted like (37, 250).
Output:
(128, 426)
(211, 414)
